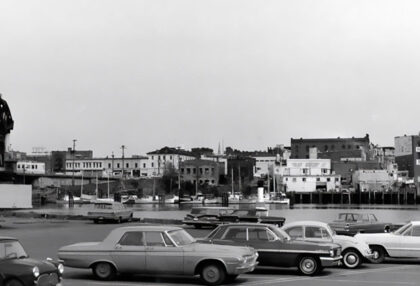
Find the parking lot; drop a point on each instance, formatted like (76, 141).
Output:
(42, 238)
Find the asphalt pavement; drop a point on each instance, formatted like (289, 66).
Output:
(42, 238)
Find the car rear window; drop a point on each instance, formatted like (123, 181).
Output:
(133, 238)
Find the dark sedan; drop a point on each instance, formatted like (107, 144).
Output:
(17, 269)
(275, 248)
(253, 215)
(352, 223)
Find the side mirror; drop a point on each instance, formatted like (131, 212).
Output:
(118, 246)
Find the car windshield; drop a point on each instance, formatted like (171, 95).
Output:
(205, 211)
(330, 230)
(11, 249)
(181, 237)
(403, 228)
(103, 206)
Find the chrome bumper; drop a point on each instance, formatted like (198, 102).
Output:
(331, 261)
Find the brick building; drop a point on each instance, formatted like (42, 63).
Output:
(407, 155)
(200, 171)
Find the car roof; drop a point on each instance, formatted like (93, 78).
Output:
(244, 224)
(415, 222)
(306, 222)
(149, 228)
(212, 208)
(7, 238)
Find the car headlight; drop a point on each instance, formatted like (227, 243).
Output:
(332, 252)
(35, 271)
(60, 268)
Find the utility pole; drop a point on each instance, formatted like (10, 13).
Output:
(112, 163)
(122, 158)
(74, 149)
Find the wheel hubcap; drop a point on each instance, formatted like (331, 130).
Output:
(351, 259)
(212, 274)
(375, 255)
(308, 265)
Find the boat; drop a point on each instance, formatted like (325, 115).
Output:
(128, 199)
(172, 200)
(276, 198)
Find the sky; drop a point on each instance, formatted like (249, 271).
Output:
(191, 73)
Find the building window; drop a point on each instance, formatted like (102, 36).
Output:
(343, 147)
(328, 179)
(153, 158)
(206, 170)
(109, 165)
(127, 165)
(326, 148)
(182, 170)
(144, 165)
(337, 179)
(194, 170)
(303, 179)
(136, 165)
(118, 165)
(318, 179)
(212, 181)
(189, 171)
(305, 171)
(153, 165)
(294, 180)
(164, 157)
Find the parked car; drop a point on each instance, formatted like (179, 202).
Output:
(275, 247)
(354, 250)
(402, 243)
(258, 214)
(159, 250)
(352, 223)
(17, 269)
(206, 216)
(110, 211)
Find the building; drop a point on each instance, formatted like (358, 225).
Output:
(306, 176)
(241, 169)
(165, 158)
(407, 155)
(346, 168)
(30, 168)
(59, 158)
(221, 160)
(372, 180)
(263, 164)
(335, 149)
(200, 171)
(101, 167)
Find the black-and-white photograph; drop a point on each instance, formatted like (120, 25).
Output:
(209, 142)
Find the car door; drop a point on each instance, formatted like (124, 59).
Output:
(129, 254)
(410, 242)
(233, 235)
(295, 232)
(271, 249)
(162, 256)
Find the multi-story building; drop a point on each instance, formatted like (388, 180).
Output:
(306, 175)
(165, 158)
(335, 149)
(241, 168)
(59, 158)
(200, 171)
(30, 167)
(131, 166)
(407, 155)
(263, 164)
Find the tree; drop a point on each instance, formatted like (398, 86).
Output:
(169, 178)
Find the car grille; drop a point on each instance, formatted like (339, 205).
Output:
(337, 252)
(48, 279)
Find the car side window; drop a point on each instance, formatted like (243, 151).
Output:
(168, 241)
(408, 232)
(260, 234)
(373, 218)
(154, 238)
(365, 218)
(295, 232)
(133, 238)
(314, 232)
(235, 233)
(416, 231)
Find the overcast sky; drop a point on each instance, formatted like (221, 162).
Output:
(192, 73)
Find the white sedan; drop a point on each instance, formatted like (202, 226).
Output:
(402, 243)
(353, 249)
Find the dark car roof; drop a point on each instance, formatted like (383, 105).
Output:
(247, 224)
(7, 238)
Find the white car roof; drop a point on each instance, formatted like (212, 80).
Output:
(307, 223)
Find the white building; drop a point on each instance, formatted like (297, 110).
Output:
(263, 164)
(29, 167)
(372, 180)
(306, 175)
(160, 160)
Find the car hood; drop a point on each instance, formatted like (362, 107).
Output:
(372, 237)
(219, 249)
(43, 266)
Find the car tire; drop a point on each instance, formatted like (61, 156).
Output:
(378, 254)
(197, 226)
(308, 265)
(95, 221)
(213, 274)
(119, 220)
(351, 258)
(13, 282)
(104, 271)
